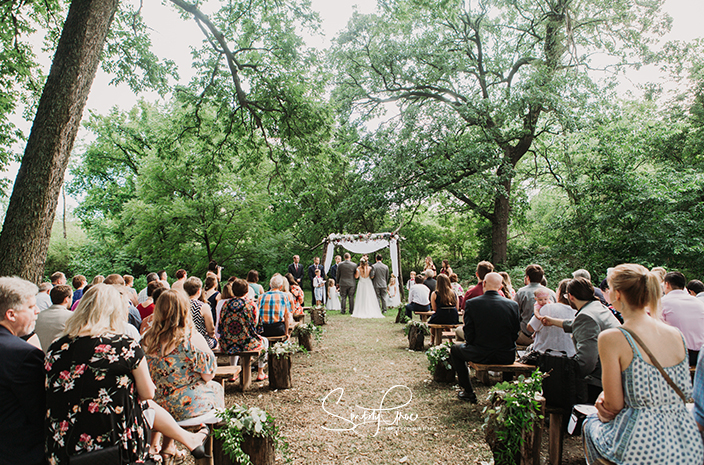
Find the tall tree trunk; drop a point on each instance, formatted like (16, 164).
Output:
(502, 214)
(30, 215)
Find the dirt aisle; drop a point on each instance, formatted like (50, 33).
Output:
(366, 364)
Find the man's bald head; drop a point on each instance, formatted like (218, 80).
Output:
(492, 282)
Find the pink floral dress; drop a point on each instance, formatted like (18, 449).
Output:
(179, 387)
(91, 397)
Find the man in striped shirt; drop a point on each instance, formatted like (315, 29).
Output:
(274, 308)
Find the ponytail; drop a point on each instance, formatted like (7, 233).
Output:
(653, 293)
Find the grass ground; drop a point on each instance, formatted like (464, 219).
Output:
(362, 364)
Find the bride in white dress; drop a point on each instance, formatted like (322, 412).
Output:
(366, 305)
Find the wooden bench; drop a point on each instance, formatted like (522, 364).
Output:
(424, 315)
(274, 339)
(246, 362)
(227, 372)
(483, 370)
(438, 332)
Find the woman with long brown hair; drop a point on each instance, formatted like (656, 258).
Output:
(181, 363)
(444, 303)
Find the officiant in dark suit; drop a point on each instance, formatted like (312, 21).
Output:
(491, 325)
(296, 269)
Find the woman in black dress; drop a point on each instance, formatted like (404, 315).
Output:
(444, 303)
(98, 387)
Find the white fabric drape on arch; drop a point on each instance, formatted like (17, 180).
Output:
(365, 246)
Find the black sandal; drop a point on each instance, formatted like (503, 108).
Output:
(199, 452)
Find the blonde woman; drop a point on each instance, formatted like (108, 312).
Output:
(98, 386)
(181, 363)
(641, 418)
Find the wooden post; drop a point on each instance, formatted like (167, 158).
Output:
(261, 451)
(556, 435)
(399, 279)
(280, 372)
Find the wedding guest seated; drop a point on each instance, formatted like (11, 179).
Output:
(418, 298)
(525, 297)
(696, 289)
(237, 327)
(118, 281)
(684, 312)
(225, 296)
(444, 303)
(51, 322)
(592, 318)
(146, 308)
(42, 297)
(75, 304)
(297, 293)
(491, 325)
(22, 407)
(97, 380)
(640, 417)
(253, 281)
(142, 296)
(200, 311)
(78, 282)
(274, 309)
(429, 280)
(483, 268)
(211, 293)
(181, 364)
(507, 287)
(147, 322)
(552, 337)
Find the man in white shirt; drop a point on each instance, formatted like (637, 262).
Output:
(418, 298)
(684, 312)
(52, 321)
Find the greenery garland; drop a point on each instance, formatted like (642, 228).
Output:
(514, 408)
(439, 355)
(241, 421)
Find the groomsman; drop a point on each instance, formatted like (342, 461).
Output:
(311, 274)
(296, 269)
(380, 279)
(332, 274)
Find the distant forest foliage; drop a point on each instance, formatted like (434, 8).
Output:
(478, 130)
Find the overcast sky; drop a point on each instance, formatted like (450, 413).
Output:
(173, 38)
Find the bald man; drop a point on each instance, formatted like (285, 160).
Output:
(491, 325)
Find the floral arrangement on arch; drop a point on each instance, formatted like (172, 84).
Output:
(366, 237)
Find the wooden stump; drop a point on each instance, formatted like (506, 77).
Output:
(306, 340)
(416, 339)
(318, 316)
(400, 314)
(443, 375)
(261, 451)
(280, 372)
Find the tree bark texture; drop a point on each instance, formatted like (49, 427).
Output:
(306, 340)
(280, 372)
(443, 375)
(24, 241)
(416, 339)
(261, 451)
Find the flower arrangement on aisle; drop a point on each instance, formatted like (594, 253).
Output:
(439, 356)
(513, 415)
(282, 349)
(248, 432)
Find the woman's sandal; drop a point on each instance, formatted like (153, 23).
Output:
(172, 458)
(262, 378)
(199, 452)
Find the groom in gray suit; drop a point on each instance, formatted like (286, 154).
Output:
(346, 276)
(380, 279)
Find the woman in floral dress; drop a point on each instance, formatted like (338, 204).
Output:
(297, 293)
(181, 363)
(97, 382)
(238, 322)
